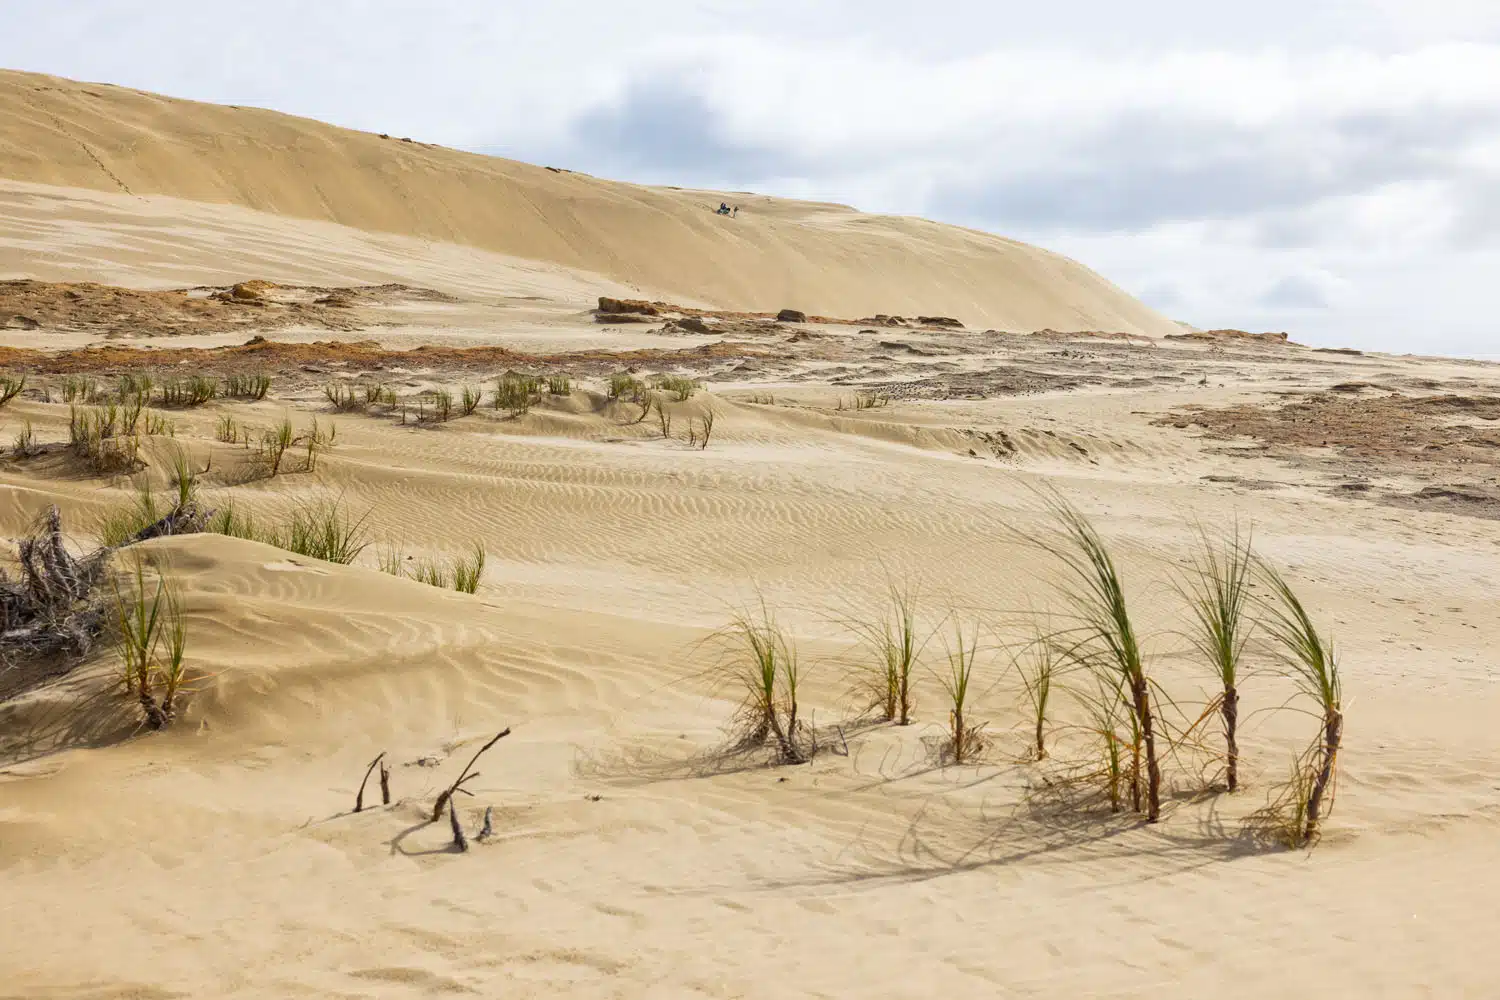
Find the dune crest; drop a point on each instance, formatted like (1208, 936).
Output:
(776, 253)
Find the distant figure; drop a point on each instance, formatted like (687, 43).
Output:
(723, 209)
(736, 213)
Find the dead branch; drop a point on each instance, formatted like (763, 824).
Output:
(385, 784)
(187, 519)
(359, 800)
(459, 840)
(445, 799)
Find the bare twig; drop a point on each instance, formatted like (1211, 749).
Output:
(459, 840)
(359, 800)
(385, 784)
(447, 796)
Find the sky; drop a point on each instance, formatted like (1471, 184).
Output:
(1330, 168)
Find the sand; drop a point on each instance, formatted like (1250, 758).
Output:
(221, 858)
(776, 254)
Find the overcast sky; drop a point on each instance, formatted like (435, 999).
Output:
(1327, 168)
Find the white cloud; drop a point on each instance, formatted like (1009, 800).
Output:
(1333, 169)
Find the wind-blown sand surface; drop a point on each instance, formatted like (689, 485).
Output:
(220, 858)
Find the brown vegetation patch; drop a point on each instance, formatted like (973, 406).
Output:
(1393, 428)
(111, 311)
(269, 356)
(1239, 336)
(1007, 381)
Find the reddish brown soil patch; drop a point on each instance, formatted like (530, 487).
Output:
(275, 357)
(1392, 428)
(109, 311)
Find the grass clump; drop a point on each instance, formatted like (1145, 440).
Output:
(252, 387)
(151, 635)
(764, 661)
(93, 436)
(321, 528)
(515, 393)
(680, 387)
(158, 424)
(1311, 661)
(344, 398)
(468, 569)
(1037, 666)
(1104, 641)
(623, 385)
(227, 429)
(324, 529)
(275, 443)
(559, 385)
(189, 391)
(80, 389)
(896, 646)
(462, 573)
(1217, 588)
(964, 741)
(469, 401)
(11, 387)
(25, 443)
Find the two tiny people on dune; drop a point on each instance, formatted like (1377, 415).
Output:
(726, 210)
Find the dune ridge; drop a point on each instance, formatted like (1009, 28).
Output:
(776, 253)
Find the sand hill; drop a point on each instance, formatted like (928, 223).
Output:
(641, 843)
(820, 258)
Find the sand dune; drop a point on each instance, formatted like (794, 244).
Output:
(632, 856)
(818, 258)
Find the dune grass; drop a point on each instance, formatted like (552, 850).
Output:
(1311, 661)
(275, 443)
(1104, 639)
(25, 442)
(763, 661)
(1105, 707)
(80, 389)
(965, 741)
(252, 387)
(1038, 667)
(10, 387)
(151, 636)
(158, 425)
(515, 393)
(1217, 588)
(460, 573)
(187, 391)
(469, 400)
(625, 386)
(468, 569)
(896, 645)
(345, 398)
(680, 387)
(559, 385)
(94, 436)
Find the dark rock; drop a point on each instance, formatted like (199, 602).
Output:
(639, 306)
(947, 321)
(791, 316)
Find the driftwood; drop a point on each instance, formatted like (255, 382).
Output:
(185, 519)
(446, 799)
(385, 784)
(55, 607)
(487, 831)
(459, 840)
(359, 800)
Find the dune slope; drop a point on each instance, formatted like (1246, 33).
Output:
(820, 258)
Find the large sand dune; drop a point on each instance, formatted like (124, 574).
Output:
(824, 259)
(633, 857)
